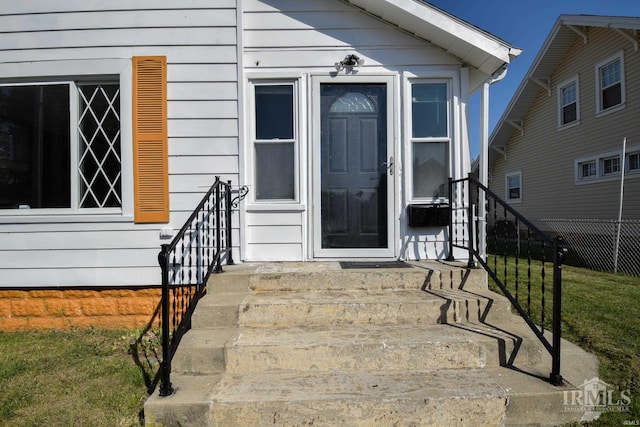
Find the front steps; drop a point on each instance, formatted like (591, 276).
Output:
(311, 344)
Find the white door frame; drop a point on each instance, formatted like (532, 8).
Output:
(315, 226)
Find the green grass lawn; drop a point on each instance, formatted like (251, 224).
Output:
(601, 313)
(73, 378)
(102, 378)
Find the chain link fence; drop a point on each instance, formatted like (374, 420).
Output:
(600, 244)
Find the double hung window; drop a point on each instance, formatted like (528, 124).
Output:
(568, 100)
(610, 84)
(274, 141)
(430, 139)
(514, 187)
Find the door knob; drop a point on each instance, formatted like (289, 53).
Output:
(389, 165)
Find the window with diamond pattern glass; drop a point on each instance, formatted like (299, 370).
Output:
(99, 138)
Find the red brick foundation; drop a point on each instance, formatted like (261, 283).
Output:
(64, 309)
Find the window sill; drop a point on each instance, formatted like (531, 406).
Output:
(60, 218)
(607, 178)
(610, 110)
(275, 207)
(433, 201)
(569, 125)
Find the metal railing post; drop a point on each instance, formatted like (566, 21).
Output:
(166, 388)
(218, 268)
(229, 228)
(450, 257)
(471, 263)
(558, 257)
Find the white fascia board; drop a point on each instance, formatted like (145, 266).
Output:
(438, 26)
(621, 22)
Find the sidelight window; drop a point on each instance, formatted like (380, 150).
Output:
(430, 139)
(274, 141)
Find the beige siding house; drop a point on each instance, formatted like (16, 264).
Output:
(557, 150)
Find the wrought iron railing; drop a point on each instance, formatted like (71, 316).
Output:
(195, 252)
(517, 256)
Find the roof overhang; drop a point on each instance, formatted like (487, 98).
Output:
(474, 47)
(562, 36)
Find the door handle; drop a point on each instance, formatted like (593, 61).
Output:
(389, 165)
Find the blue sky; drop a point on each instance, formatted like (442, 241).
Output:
(524, 24)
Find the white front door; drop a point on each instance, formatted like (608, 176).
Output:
(353, 187)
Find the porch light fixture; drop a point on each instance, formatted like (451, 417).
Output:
(349, 61)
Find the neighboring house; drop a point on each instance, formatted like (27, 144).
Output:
(557, 150)
(115, 117)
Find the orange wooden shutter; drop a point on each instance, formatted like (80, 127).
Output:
(150, 155)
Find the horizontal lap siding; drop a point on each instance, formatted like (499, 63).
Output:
(314, 35)
(274, 236)
(184, 55)
(546, 156)
(75, 276)
(426, 243)
(198, 37)
(56, 6)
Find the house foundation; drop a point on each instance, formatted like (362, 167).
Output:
(79, 308)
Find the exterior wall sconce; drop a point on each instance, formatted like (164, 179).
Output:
(349, 61)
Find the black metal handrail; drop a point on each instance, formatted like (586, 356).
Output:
(511, 239)
(187, 262)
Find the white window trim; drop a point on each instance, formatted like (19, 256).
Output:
(578, 170)
(506, 186)
(562, 85)
(408, 166)
(599, 162)
(627, 165)
(65, 72)
(602, 160)
(599, 111)
(280, 204)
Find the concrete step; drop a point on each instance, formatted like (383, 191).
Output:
(330, 276)
(363, 398)
(202, 351)
(316, 308)
(365, 347)
(352, 347)
(189, 405)
(218, 309)
(319, 308)
(473, 306)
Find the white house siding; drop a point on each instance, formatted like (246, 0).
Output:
(48, 39)
(297, 39)
(546, 156)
